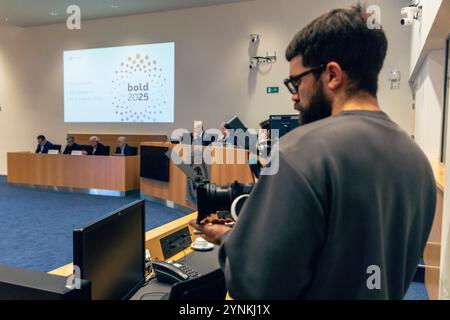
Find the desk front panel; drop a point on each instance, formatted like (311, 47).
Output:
(81, 172)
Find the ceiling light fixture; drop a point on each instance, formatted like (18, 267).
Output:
(114, 6)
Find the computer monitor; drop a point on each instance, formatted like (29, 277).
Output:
(56, 147)
(284, 123)
(236, 124)
(84, 147)
(155, 164)
(111, 253)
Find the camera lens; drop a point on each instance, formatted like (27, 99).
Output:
(212, 198)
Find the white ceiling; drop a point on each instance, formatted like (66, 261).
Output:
(28, 13)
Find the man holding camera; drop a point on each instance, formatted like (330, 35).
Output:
(350, 210)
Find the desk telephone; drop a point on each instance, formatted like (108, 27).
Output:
(173, 272)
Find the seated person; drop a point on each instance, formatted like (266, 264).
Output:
(71, 145)
(97, 148)
(43, 145)
(264, 139)
(123, 148)
(199, 136)
(226, 139)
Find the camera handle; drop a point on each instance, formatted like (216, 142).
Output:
(237, 204)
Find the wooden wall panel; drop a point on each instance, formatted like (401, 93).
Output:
(432, 253)
(436, 230)
(432, 275)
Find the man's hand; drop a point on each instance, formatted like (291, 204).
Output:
(213, 231)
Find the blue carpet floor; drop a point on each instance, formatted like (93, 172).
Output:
(36, 226)
(416, 291)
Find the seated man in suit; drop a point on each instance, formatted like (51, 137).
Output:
(199, 136)
(97, 148)
(43, 145)
(123, 148)
(71, 145)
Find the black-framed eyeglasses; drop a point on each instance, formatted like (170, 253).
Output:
(292, 83)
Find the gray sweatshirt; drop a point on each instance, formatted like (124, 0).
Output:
(347, 216)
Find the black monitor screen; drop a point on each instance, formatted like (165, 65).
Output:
(155, 163)
(284, 123)
(111, 253)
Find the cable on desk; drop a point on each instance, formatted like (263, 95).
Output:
(185, 256)
(184, 259)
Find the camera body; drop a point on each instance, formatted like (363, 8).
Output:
(254, 37)
(212, 198)
(409, 14)
(253, 64)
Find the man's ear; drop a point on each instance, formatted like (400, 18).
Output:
(334, 76)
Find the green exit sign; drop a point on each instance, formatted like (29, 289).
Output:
(273, 90)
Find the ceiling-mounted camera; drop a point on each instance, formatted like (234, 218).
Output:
(409, 14)
(254, 37)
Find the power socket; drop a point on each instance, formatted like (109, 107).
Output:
(176, 242)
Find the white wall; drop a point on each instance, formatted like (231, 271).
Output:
(444, 288)
(15, 129)
(422, 28)
(429, 104)
(429, 86)
(213, 81)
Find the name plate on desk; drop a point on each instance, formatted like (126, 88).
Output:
(77, 153)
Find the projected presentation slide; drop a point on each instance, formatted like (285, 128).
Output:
(132, 84)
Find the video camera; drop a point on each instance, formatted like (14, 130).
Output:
(212, 198)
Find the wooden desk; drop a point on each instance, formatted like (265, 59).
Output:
(432, 253)
(152, 243)
(176, 189)
(102, 175)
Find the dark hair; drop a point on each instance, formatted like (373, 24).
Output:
(342, 36)
(265, 125)
(41, 137)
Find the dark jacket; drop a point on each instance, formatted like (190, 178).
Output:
(48, 145)
(128, 151)
(74, 147)
(344, 212)
(100, 151)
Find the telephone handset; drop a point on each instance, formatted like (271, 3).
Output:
(173, 272)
